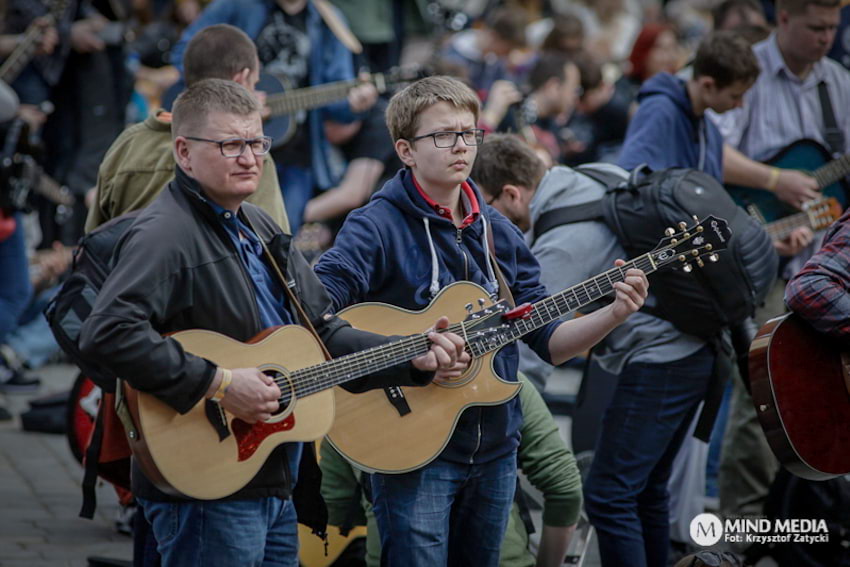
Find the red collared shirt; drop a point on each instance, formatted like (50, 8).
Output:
(470, 203)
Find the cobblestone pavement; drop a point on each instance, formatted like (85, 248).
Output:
(40, 494)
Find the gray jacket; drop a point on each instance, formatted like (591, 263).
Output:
(572, 253)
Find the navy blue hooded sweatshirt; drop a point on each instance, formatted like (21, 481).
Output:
(396, 249)
(665, 133)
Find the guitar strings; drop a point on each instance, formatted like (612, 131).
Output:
(312, 379)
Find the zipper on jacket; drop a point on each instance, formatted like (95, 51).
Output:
(459, 241)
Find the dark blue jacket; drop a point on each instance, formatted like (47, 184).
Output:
(383, 253)
(665, 133)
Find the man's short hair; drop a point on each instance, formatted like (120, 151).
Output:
(407, 105)
(723, 10)
(550, 65)
(218, 52)
(504, 159)
(726, 57)
(800, 6)
(194, 105)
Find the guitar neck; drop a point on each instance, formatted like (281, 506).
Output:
(780, 229)
(22, 55)
(319, 377)
(564, 302)
(308, 98)
(828, 174)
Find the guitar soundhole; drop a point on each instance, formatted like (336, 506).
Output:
(285, 389)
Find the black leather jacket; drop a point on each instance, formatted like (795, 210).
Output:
(176, 269)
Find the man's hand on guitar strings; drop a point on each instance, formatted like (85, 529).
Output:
(252, 395)
(795, 187)
(447, 357)
(795, 242)
(630, 294)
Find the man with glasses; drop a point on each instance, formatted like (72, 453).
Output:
(194, 259)
(425, 229)
(140, 162)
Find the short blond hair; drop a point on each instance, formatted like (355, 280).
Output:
(192, 107)
(407, 105)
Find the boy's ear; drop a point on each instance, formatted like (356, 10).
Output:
(707, 84)
(513, 192)
(405, 152)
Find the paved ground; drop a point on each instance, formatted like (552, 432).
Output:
(40, 495)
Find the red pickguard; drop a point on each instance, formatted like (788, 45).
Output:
(801, 398)
(249, 436)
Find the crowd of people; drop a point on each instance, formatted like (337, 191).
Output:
(380, 151)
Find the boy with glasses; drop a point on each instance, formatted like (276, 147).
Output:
(425, 229)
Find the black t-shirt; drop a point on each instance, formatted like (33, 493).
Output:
(284, 47)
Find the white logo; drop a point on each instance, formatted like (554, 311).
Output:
(706, 529)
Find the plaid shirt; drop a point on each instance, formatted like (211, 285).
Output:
(819, 292)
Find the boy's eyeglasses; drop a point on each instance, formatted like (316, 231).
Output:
(472, 137)
(235, 147)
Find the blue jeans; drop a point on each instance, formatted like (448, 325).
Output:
(444, 513)
(33, 341)
(261, 532)
(15, 286)
(625, 492)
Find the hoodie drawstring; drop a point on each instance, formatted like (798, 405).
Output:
(435, 268)
(491, 275)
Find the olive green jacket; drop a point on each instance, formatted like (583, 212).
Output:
(140, 163)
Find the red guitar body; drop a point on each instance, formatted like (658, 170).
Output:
(801, 392)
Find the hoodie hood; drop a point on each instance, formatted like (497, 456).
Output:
(665, 84)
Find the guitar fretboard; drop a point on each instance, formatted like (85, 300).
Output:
(828, 174)
(564, 302)
(22, 54)
(780, 229)
(328, 374)
(308, 98)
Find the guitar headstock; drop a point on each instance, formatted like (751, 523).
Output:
(691, 243)
(822, 212)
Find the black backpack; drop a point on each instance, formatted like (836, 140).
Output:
(72, 305)
(640, 208)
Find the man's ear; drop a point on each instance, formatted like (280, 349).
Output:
(512, 192)
(242, 78)
(404, 150)
(181, 154)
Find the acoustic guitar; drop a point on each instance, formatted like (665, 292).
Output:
(406, 428)
(806, 155)
(800, 383)
(207, 458)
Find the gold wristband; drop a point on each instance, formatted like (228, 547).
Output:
(226, 378)
(774, 179)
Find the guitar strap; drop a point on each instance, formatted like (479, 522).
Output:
(833, 135)
(293, 300)
(504, 289)
(337, 26)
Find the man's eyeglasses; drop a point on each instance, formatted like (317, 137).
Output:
(235, 147)
(472, 137)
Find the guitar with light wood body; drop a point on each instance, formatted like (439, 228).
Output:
(212, 456)
(402, 429)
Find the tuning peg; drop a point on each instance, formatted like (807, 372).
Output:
(481, 301)
(687, 268)
(670, 231)
(468, 307)
(683, 225)
(700, 263)
(696, 218)
(713, 258)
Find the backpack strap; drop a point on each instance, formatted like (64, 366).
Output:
(833, 135)
(607, 178)
(566, 215)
